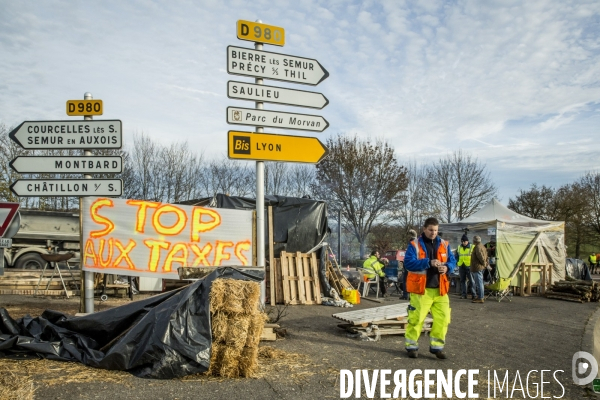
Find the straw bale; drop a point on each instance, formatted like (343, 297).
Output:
(15, 387)
(237, 330)
(234, 296)
(252, 295)
(230, 361)
(249, 362)
(255, 329)
(219, 325)
(216, 354)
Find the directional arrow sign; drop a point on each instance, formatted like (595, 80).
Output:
(268, 147)
(273, 94)
(96, 134)
(67, 165)
(276, 119)
(67, 187)
(279, 67)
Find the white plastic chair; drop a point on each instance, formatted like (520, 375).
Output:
(366, 282)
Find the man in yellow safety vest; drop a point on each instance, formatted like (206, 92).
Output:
(464, 271)
(374, 264)
(593, 260)
(429, 261)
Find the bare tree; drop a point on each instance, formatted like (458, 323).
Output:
(301, 179)
(416, 208)
(458, 185)
(535, 202)
(590, 183)
(276, 178)
(363, 179)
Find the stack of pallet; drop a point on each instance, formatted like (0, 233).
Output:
(24, 281)
(390, 320)
(574, 290)
(294, 279)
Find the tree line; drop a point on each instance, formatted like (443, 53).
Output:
(576, 203)
(362, 178)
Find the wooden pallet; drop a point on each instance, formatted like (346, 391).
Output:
(268, 333)
(387, 327)
(396, 311)
(300, 278)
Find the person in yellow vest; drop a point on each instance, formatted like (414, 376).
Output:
(463, 254)
(376, 265)
(429, 261)
(593, 260)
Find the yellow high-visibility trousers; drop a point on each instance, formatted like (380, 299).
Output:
(420, 305)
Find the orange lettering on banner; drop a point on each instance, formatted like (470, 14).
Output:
(141, 214)
(239, 247)
(172, 230)
(101, 220)
(199, 226)
(89, 253)
(219, 254)
(124, 253)
(201, 255)
(172, 256)
(105, 264)
(155, 247)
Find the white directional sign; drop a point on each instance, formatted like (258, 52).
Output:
(67, 187)
(96, 134)
(279, 67)
(67, 164)
(276, 119)
(273, 94)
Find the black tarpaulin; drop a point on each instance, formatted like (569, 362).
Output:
(299, 224)
(164, 336)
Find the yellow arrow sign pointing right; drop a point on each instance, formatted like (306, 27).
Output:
(271, 147)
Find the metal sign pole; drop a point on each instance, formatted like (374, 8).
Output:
(88, 275)
(260, 200)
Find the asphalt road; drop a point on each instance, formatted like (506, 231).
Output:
(526, 334)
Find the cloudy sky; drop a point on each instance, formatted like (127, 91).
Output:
(515, 83)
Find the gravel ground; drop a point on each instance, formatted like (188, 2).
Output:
(526, 334)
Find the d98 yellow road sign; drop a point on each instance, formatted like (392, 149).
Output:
(84, 107)
(263, 33)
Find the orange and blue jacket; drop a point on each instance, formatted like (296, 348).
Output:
(417, 263)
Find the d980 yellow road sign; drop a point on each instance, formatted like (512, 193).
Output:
(271, 147)
(263, 33)
(84, 107)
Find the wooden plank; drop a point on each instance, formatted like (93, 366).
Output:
(524, 256)
(300, 275)
(295, 299)
(316, 281)
(41, 292)
(268, 337)
(271, 257)
(287, 295)
(307, 282)
(279, 282)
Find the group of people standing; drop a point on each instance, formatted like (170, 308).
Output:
(472, 261)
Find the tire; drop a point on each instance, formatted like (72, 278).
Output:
(30, 261)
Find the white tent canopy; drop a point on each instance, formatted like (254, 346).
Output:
(518, 238)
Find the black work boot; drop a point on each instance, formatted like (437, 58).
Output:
(413, 354)
(440, 355)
